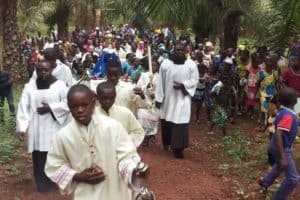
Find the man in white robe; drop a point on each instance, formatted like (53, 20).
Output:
(177, 81)
(60, 71)
(106, 95)
(41, 113)
(92, 157)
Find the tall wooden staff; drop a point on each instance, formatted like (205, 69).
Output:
(150, 60)
(150, 65)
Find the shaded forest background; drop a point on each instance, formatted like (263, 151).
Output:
(274, 23)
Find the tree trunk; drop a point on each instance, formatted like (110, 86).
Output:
(11, 41)
(86, 17)
(200, 31)
(62, 20)
(1, 32)
(231, 29)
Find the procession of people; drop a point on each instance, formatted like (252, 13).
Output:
(93, 99)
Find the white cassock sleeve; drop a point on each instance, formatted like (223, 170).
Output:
(135, 130)
(160, 85)
(58, 169)
(23, 113)
(60, 110)
(191, 84)
(69, 80)
(127, 156)
(143, 81)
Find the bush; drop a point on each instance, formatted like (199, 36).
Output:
(237, 146)
(8, 140)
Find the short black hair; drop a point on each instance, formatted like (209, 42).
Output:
(79, 88)
(105, 85)
(287, 97)
(50, 53)
(113, 64)
(274, 100)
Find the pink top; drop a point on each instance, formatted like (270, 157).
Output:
(252, 77)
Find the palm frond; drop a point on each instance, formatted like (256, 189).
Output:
(31, 16)
(282, 24)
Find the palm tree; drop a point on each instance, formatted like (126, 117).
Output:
(31, 13)
(283, 23)
(60, 16)
(11, 41)
(207, 17)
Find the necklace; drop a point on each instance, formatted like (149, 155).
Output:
(89, 141)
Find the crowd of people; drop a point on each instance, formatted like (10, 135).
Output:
(94, 97)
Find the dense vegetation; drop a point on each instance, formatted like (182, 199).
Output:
(274, 23)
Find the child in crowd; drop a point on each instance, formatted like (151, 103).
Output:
(223, 95)
(286, 127)
(242, 67)
(200, 90)
(251, 89)
(266, 85)
(272, 112)
(227, 72)
(212, 81)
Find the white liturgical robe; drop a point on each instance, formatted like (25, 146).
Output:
(175, 106)
(41, 128)
(128, 120)
(109, 147)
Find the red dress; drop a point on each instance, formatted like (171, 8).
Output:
(251, 85)
(292, 79)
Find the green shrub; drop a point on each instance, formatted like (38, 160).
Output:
(237, 146)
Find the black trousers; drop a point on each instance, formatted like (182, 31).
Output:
(42, 181)
(176, 135)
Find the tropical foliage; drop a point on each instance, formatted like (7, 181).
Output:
(279, 24)
(31, 13)
(275, 23)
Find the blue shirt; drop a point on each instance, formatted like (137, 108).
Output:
(287, 121)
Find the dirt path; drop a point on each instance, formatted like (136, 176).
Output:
(171, 179)
(196, 177)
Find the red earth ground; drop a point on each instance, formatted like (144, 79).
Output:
(196, 177)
